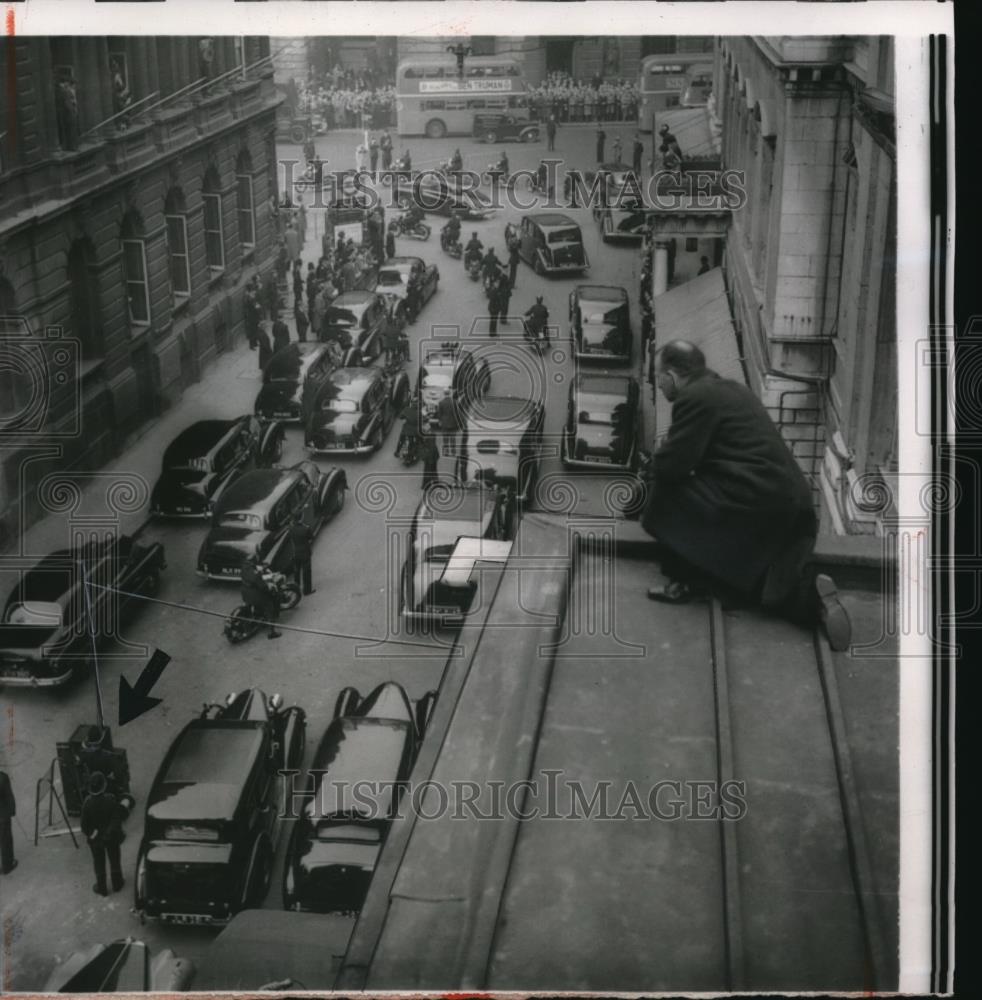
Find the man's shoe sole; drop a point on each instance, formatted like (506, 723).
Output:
(834, 617)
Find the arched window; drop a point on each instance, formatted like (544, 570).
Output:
(86, 307)
(211, 197)
(179, 264)
(8, 307)
(246, 205)
(135, 269)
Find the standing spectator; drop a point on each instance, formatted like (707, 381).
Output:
(301, 320)
(551, 133)
(373, 151)
(293, 243)
(601, 139)
(297, 282)
(390, 242)
(311, 288)
(637, 152)
(301, 537)
(265, 348)
(270, 295)
(283, 264)
(617, 149)
(102, 826)
(446, 414)
(361, 158)
(281, 335)
(390, 339)
(513, 259)
(385, 145)
(494, 307)
(504, 297)
(250, 314)
(8, 809)
(66, 113)
(430, 455)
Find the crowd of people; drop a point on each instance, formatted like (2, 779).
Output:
(578, 101)
(346, 99)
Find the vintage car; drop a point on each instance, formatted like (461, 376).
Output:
(357, 319)
(447, 369)
(393, 282)
(209, 837)
(439, 195)
(621, 225)
(201, 462)
(450, 543)
(496, 127)
(293, 373)
(600, 323)
(45, 633)
(124, 966)
(615, 185)
(552, 243)
(359, 770)
(353, 410)
(602, 422)
(254, 517)
(501, 443)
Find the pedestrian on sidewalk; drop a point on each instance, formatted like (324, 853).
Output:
(302, 538)
(430, 454)
(8, 809)
(601, 139)
(551, 133)
(102, 826)
(637, 151)
(504, 297)
(270, 296)
(265, 347)
(281, 335)
(293, 243)
(385, 145)
(302, 322)
(390, 243)
(373, 151)
(297, 282)
(311, 282)
(446, 412)
(494, 308)
(513, 259)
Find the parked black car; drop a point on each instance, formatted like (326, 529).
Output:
(449, 542)
(293, 373)
(602, 422)
(493, 127)
(210, 832)
(393, 281)
(255, 514)
(353, 410)
(123, 966)
(600, 323)
(447, 369)
(204, 459)
(552, 243)
(622, 225)
(359, 769)
(45, 633)
(357, 319)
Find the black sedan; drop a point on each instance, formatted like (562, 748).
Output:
(359, 769)
(293, 373)
(123, 966)
(394, 277)
(449, 545)
(204, 459)
(45, 633)
(499, 128)
(622, 225)
(354, 409)
(442, 195)
(602, 422)
(357, 319)
(445, 369)
(255, 515)
(209, 835)
(600, 323)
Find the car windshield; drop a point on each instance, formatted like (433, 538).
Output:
(192, 465)
(564, 236)
(242, 518)
(392, 277)
(332, 830)
(437, 380)
(438, 553)
(44, 613)
(340, 406)
(595, 417)
(489, 447)
(340, 317)
(593, 314)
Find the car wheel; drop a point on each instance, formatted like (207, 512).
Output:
(531, 136)
(276, 452)
(491, 136)
(289, 597)
(435, 129)
(375, 441)
(539, 269)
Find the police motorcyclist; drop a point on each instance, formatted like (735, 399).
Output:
(451, 231)
(501, 166)
(490, 265)
(409, 438)
(260, 593)
(456, 161)
(473, 251)
(413, 217)
(538, 317)
(405, 161)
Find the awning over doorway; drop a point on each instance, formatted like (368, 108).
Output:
(691, 127)
(697, 311)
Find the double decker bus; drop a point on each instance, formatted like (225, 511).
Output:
(675, 80)
(433, 100)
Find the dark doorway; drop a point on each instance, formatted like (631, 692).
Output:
(83, 283)
(559, 55)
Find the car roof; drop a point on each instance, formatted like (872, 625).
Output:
(457, 503)
(604, 385)
(602, 293)
(206, 769)
(353, 382)
(257, 490)
(198, 440)
(358, 297)
(396, 261)
(551, 220)
(496, 413)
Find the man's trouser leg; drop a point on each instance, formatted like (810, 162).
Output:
(305, 572)
(99, 864)
(6, 846)
(115, 867)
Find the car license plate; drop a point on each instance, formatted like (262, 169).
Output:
(183, 510)
(228, 571)
(602, 459)
(187, 918)
(12, 669)
(285, 414)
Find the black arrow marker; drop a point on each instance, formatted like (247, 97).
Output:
(134, 700)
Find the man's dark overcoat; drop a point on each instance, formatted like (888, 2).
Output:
(727, 494)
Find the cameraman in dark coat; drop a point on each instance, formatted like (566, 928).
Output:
(102, 825)
(728, 503)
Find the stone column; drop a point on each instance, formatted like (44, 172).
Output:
(659, 273)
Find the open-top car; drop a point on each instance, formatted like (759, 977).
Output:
(293, 373)
(440, 195)
(456, 535)
(446, 369)
(45, 634)
(209, 837)
(201, 462)
(619, 186)
(600, 323)
(622, 225)
(353, 410)
(255, 515)
(394, 277)
(602, 422)
(359, 771)
(552, 243)
(501, 443)
(123, 966)
(357, 319)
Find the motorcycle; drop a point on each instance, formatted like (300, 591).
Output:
(409, 452)
(495, 174)
(451, 246)
(246, 620)
(474, 268)
(414, 230)
(538, 340)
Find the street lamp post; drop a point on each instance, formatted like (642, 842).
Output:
(461, 52)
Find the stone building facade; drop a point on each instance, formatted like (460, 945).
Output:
(135, 184)
(810, 258)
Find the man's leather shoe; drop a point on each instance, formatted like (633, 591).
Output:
(99, 891)
(833, 616)
(274, 635)
(7, 871)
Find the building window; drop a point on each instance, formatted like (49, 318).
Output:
(214, 238)
(177, 244)
(135, 269)
(691, 244)
(245, 202)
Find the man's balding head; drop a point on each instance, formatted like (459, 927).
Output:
(683, 358)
